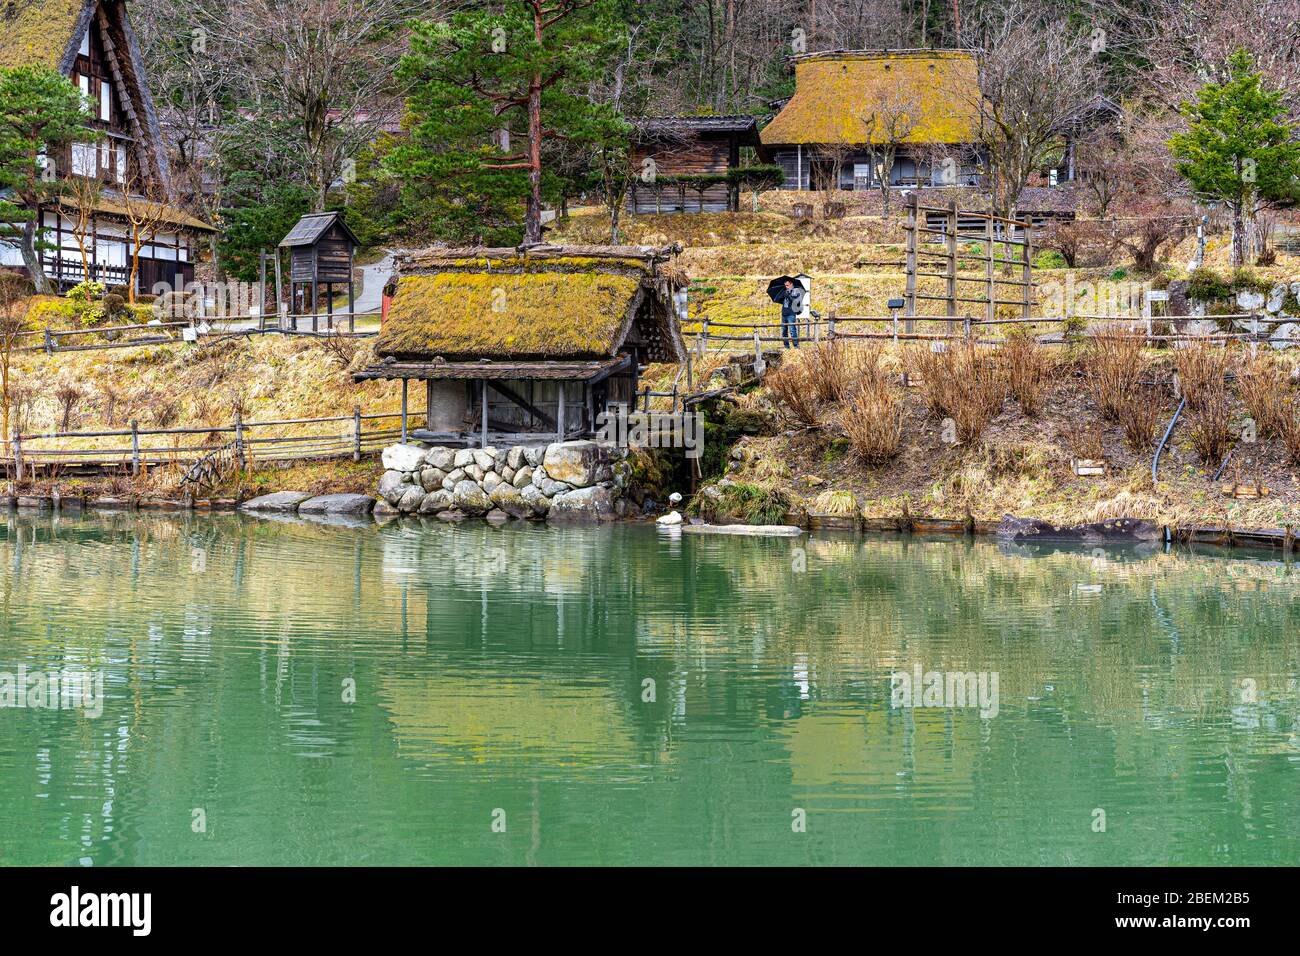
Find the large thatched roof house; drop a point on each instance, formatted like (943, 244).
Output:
(847, 101)
(93, 43)
(543, 338)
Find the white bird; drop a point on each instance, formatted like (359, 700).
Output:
(675, 498)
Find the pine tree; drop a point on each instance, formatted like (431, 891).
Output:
(41, 115)
(1239, 149)
(491, 86)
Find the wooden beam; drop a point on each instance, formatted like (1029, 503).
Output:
(523, 403)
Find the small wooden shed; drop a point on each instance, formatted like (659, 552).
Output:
(321, 249)
(530, 345)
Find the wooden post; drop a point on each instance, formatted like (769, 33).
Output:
(991, 307)
(758, 348)
(18, 455)
(703, 339)
(483, 393)
(690, 376)
(278, 291)
(135, 448)
(1026, 275)
(261, 289)
(912, 239)
(950, 247)
(49, 342)
(404, 382)
(356, 430)
(559, 414)
(239, 439)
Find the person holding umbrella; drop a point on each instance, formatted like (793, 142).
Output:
(789, 293)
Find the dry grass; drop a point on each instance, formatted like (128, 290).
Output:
(965, 383)
(1139, 414)
(1114, 366)
(831, 369)
(1264, 390)
(1029, 371)
(791, 385)
(873, 422)
(1201, 371)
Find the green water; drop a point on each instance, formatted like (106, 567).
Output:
(622, 695)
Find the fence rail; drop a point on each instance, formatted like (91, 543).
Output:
(165, 333)
(353, 440)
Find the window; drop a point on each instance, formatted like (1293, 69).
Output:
(83, 82)
(84, 49)
(83, 159)
(104, 154)
(105, 101)
(121, 163)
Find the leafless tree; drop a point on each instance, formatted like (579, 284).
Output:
(1037, 73)
(143, 202)
(890, 118)
(84, 193)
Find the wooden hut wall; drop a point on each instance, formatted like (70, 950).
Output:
(333, 256)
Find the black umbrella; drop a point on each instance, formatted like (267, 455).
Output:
(776, 288)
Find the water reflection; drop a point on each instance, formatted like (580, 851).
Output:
(625, 696)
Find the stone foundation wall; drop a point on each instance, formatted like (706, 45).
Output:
(572, 479)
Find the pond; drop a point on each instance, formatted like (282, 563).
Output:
(281, 692)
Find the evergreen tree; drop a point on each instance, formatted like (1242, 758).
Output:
(1239, 149)
(491, 86)
(41, 115)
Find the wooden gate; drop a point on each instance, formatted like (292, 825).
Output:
(950, 225)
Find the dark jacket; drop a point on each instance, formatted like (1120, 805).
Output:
(792, 302)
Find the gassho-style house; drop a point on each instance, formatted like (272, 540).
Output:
(93, 44)
(530, 345)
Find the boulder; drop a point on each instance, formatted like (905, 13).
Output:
(508, 499)
(485, 458)
(515, 457)
(463, 457)
(441, 458)
(470, 498)
(431, 478)
(508, 475)
(435, 501)
(524, 476)
(384, 511)
(392, 486)
(591, 504)
(490, 481)
(280, 502)
(533, 454)
(451, 514)
(339, 504)
(404, 457)
(539, 474)
(454, 477)
(552, 488)
(575, 462)
(534, 498)
(499, 462)
(411, 501)
(475, 472)
(497, 516)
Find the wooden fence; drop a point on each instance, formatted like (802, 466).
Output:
(137, 449)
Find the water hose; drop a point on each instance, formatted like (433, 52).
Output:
(1155, 462)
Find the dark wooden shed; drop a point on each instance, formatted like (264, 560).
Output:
(321, 249)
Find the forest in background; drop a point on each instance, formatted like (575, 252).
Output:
(277, 108)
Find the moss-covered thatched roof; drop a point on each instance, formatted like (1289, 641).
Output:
(836, 93)
(40, 32)
(547, 303)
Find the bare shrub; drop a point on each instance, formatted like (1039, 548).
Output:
(791, 386)
(831, 370)
(1029, 370)
(873, 422)
(964, 383)
(1201, 371)
(1114, 366)
(1264, 391)
(1138, 414)
(1209, 421)
(68, 394)
(342, 348)
(1083, 439)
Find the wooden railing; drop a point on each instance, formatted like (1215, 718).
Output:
(137, 449)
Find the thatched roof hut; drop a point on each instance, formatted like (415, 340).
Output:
(544, 337)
